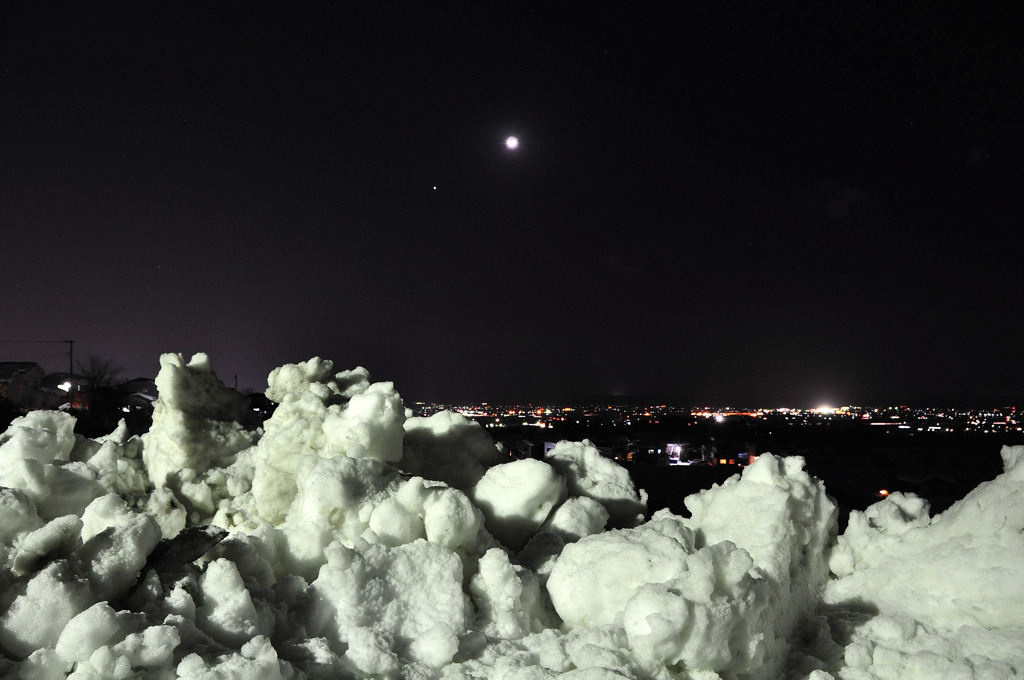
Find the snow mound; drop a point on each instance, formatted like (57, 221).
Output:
(346, 539)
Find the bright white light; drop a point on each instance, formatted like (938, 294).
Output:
(512, 142)
(66, 386)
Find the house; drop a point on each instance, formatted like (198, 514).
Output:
(141, 388)
(20, 382)
(62, 390)
(138, 394)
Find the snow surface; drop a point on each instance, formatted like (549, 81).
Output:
(347, 539)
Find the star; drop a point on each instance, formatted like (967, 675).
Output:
(512, 142)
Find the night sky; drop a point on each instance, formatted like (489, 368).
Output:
(711, 203)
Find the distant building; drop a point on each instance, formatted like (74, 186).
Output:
(20, 382)
(528, 448)
(138, 394)
(62, 390)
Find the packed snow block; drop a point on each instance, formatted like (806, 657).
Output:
(256, 659)
(43, 436)
(194, 389)
(322, 417)
(40, 608)
(783, 518)
(594, 578)
(227, 612)
(894, 645)
(42, 664)
(450, 519)
(196, 422)
(17, 515)
(369, 651)
(73, 486)
(699, 609)
(96, 627)
(293, 378)
(410, 596)
(369, 426)
(112, 463)
(363, 501)
(448, 447)
(516, 498)
(293, 432)
(590, 474)
(168, 511)
(953, 570)
(113, 556)
(507, 598)
(180, 446)
(29, 450)
(61, 472)
(152, 648)
(56, 540)
(315, 375)
(392, 523)
(577, 517)
(709, 618)
(777, 513)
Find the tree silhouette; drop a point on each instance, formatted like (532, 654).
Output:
(8, 412)
(99, 372)
(100, 376)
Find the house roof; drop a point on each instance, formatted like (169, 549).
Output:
(10, 369)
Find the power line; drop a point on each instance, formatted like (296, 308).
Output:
(69, 343)
(34, 341)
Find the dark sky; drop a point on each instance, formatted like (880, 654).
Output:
(712, 203)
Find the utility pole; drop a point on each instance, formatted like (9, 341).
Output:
(69, 343)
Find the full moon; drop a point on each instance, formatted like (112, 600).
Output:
(512, 142)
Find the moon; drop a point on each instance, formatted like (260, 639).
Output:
(512, 142)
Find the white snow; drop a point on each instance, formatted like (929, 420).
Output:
(346, 539)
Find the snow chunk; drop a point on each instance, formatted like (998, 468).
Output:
(194, 389)
(782, 517)
(196, 422)
(28, 451)
(576, 518)
(320, 417)
(594, 578)
(256, 659)
(228, 613)
(709, 618)
(369, 427)
(448, 447)
(516, 498)
(590, 474)
(507, 597)
(57, 539)
(97, 626)
(42, 436)
(42, 607)
(113, 556)
(17, 515)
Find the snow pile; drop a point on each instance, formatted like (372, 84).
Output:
(347, 539)
(947, 589)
